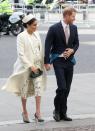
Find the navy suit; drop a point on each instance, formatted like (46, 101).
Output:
(55, 43)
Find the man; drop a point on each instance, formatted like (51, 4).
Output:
(60, 46)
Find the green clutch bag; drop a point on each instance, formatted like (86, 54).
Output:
(37, 74)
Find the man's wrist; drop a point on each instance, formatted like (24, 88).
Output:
(72, 51)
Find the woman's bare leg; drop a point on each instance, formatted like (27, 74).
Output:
(25, 113)
(38, 103)
(24, 101)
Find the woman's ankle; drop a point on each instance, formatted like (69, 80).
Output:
(25, 112)
(38, 114)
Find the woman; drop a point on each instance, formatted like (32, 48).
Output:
(30, 59)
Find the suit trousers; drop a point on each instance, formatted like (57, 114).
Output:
(64, 74)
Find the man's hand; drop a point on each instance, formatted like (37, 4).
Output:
(48, 67)
(68, 52)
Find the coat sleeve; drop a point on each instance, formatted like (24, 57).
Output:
(20, 52)
(76, 41)
(48, 45)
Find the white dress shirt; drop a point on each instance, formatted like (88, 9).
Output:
(65, 26)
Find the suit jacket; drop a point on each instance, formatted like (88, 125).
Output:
(55, 42)
(20, 77)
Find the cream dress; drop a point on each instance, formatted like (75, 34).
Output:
(30, 53)
(37, 82)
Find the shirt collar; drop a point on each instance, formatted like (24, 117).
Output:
(64, 24)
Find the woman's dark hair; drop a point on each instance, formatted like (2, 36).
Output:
(29, 22)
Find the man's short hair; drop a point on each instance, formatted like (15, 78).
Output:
(68, 11)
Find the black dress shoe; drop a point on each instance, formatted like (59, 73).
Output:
(56, 116)
(65, 118)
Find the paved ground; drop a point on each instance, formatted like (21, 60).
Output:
(80, 103)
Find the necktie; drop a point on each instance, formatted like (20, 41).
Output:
(66, 34)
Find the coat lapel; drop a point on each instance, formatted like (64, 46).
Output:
(31, 42)
(71, 34)
(38, 37)
(61, 31)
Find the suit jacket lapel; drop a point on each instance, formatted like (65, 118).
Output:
(71, 34)
(62, 34)
(61, 31)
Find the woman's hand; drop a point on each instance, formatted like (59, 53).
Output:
(34, 69)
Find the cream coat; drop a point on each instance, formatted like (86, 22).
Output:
(19, 80)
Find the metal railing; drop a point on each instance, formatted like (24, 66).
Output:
(85, 15)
